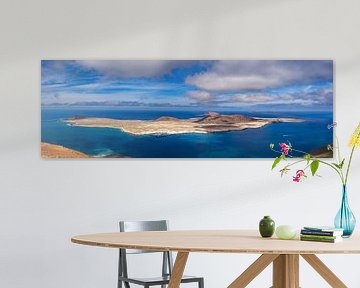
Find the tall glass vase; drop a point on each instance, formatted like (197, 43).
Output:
(345, 219)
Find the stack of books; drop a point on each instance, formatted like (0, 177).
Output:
(321, 234)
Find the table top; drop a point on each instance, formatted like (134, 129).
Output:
(216, 241)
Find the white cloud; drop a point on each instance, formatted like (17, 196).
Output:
(243, 83)
(201, 96)
(257, 75)
(74, 97)
(255, 99)
(300, 97)
(216, 82)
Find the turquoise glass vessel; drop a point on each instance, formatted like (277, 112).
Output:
(345, 219)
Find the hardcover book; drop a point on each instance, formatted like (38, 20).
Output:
(321, 233)
(336, 240)
(320, 237)
(323, 228)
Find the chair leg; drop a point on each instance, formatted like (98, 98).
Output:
(164, 266)
(201, 283)
(120, 270)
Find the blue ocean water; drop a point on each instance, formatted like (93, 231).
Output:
(251, 143)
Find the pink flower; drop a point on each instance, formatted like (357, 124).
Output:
(284, 148)
(300, 174)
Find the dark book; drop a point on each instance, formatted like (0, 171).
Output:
(321, 233)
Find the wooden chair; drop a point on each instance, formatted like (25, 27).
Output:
(167, 263)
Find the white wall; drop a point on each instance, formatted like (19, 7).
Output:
(43, 203)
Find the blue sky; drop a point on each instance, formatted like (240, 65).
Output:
(296, 85)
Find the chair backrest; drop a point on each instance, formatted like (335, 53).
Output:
(133, 226)
(139, 226)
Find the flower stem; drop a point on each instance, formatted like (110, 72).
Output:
(339, 159)
(350, 159)
(338, 149)
(336, 169)
(348, 167)
(293, 163)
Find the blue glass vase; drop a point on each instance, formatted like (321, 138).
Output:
(345, 219)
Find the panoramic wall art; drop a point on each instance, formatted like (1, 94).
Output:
(184, 108)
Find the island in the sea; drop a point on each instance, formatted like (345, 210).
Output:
(210, 123)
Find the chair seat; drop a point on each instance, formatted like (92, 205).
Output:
(158, 280)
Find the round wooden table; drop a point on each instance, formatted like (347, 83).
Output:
(284, 254)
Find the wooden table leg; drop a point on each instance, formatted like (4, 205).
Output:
(254, 270)
(293, 262)
(178, 269)
(286, 271)
(324, 271)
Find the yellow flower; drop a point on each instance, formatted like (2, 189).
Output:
(355, 138)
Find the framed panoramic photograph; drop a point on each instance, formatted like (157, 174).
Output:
(185, 108)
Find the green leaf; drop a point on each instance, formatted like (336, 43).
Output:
(276, 162)
(342, 163)
(307, 157)
(271, 146)
(314, 167)
(339, 166)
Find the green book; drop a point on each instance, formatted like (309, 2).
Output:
(324, 240)
(323, 228)
(319, 236)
